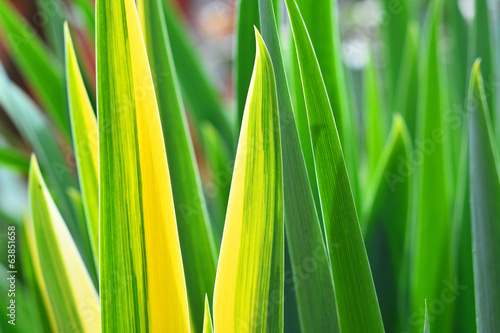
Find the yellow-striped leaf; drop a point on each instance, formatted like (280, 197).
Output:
(84, 128)
(142, 278)
(248, 293)
(73, 297)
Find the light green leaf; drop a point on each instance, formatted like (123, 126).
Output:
(219, 179)
(315, 294)
(84, 128)
(357, 305)
(139, 245)
(72, 295)
(485, 206)
(193, 223)
(248, 294)
(432, 240)
(427, 328)
(43, 72)
(50, 16)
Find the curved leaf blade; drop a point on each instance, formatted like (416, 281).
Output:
(248, 292)
(72, 294)
(84, 129)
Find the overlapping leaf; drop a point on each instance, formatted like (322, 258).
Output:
(357, 305)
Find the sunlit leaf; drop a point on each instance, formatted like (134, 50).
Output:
(84, 128)
(248, 293)
(139, 245)
(72, 295)
(195, 230)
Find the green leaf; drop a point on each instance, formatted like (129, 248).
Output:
(35, 129)
(406, 97)
(386, 230)
(376, 119)
(315, 294)
(482, 43)
(193, 223)
(247, 18)
(322, 22)
(84, 128)
(395, 28)
(199, 91)
(23, 322)
(485, 206)
(248, 292)
(73, 297)
(32, 272)
(427, 328)
(14, 159)
(50, 16)
(432, 242)
(357, 305)
(207, 321)
(139, 245)
(218, 185)
(43, 72)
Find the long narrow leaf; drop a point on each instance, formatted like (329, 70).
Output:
(84, 128)
(432, 251)
(314, 292)
(485, 206)
(72, 294)
(357, 305)
(248, 293)
(195, 230)
(139, 245)
(207, 320)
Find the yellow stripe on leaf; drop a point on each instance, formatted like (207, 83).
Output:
(142, 278)
(73, 297)
(248, 293)
(84, 128)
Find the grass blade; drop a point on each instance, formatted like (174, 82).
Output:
(432, 251)
(139, 245)
(357, 305)
(199, 91)
(84, 128)
(249, 285)
(193, 224)
(314, 292)
(43, 72)
(72, 294)
(51, 14)
(485, 206)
